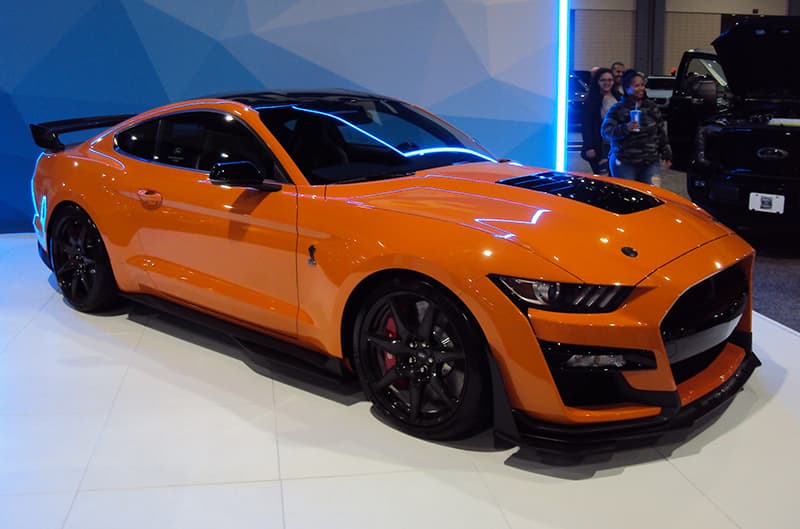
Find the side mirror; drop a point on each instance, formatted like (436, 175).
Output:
(240, 174)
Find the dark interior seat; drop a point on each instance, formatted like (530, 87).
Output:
(316, 143)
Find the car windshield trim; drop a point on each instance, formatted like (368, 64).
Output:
(347, 123)
(715, 69)
(423, 152)
(359, 139)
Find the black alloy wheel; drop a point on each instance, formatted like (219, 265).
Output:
(421, 360)
(80, 261)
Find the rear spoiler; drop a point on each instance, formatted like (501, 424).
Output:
(46, 134)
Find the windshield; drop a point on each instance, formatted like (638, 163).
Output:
(356, 139)
(703, 68)
(715, 69)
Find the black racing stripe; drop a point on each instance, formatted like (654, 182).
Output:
(604, 195)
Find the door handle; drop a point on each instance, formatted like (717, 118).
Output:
(150, 198)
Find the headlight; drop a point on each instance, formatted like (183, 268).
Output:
(562, 297)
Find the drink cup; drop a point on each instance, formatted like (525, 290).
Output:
(636, 116)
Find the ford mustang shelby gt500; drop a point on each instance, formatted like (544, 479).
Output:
(460, 289)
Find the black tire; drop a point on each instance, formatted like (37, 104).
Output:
(421, 360)
(80, 261)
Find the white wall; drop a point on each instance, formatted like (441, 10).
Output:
(603, 37)
(612, 5)
(738, 7)
(693, 24)
(765, 7)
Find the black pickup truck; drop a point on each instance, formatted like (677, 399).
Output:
(734, 124)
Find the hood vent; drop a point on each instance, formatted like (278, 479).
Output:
(604, 195)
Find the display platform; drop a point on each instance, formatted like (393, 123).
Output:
(134, 419)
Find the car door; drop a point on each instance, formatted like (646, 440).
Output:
(226, 250)
(698, 86)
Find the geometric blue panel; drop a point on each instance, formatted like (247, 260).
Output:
(486, 65)
(16, 206)
(522, 141)
(17, 153)
(29, 30)
(492, 98)
(411, 50)
(500, 106)
(102, 52)
(277, 67)
(11, 123)
(173, 48)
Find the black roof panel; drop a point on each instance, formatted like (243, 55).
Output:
(288, 97)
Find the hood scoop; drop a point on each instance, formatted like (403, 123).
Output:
(604, 195)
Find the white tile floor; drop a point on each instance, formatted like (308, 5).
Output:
(139, 421)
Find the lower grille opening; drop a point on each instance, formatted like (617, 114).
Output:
(592, 375)
(686, 369)
(589, 389)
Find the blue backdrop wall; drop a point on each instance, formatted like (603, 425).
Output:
(488, 66)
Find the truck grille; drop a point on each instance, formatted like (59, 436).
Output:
(760, 151)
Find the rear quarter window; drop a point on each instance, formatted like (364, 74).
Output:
(139, 141)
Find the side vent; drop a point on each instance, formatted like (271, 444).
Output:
(604, 195)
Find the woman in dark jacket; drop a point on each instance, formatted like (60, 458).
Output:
(637, 147)
(598, 101)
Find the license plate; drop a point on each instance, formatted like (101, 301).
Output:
(766, 203)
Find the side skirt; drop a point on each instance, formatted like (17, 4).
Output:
(282, 354)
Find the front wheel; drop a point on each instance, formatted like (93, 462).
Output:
(80, 262)
(421, 360)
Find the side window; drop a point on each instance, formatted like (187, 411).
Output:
(691, 73)
(700, 69)
(198, 140)
(140, 140)
(704, 79)
(227, 140)
(180, 139)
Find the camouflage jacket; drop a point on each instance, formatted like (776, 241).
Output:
(648, 145)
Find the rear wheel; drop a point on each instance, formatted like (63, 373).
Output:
(421, 360)
(80, 261)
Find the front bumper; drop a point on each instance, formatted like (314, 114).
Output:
(726, 195)
(693, 315)
(572, 438)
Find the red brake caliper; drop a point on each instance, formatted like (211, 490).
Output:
(389, 360)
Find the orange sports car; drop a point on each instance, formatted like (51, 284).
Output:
(462, 290)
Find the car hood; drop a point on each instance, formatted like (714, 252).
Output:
(588, 241)
(754, 57)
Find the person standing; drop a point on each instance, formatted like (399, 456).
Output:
(595, 107)
(636, 130)
(617, 68)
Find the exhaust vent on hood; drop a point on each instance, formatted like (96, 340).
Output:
(604, 195)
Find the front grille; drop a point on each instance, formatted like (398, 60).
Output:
(705, 315)
(760, 151)
(604, 195)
